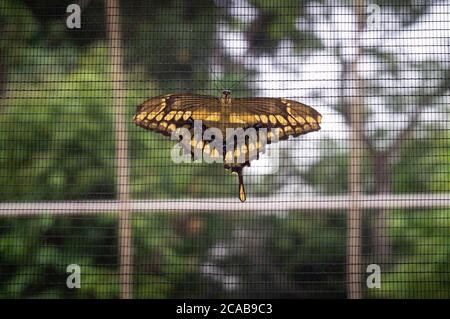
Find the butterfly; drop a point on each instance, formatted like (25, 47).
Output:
(273, 120)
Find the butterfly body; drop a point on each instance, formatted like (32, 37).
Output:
(270, 119)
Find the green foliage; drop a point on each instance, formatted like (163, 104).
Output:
(14, 16)
(34, 254)
(422, 250)
(429, 159)
(57, 142)
(175, 53)
(330, 174)
(278, 21)
(59, 147)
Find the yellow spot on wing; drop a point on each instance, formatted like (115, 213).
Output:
(319, 119)
(292, 120)
(159, 117)
(142, 116)
(171, 128)
(155, 112)
(309, 119)
(314, 125)
(187, 115)
(235, 118)
(272, 119)
(170, 116)
(300, 119)
(288, 130)
(264, 118)
(281, 119)
(179, 115)
(213, 117)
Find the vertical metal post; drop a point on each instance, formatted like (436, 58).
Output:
(354, 259)
(121, 136)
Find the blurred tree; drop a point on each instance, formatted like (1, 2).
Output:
(328, 25)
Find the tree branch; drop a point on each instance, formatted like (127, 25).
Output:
(413, 121)
(346, 67)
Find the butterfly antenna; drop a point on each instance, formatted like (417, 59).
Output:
(214, 79)
(240, 80)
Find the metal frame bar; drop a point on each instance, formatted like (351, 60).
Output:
(114, 34)
(356, 109)
(256, 205)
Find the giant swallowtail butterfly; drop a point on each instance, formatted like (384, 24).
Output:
(273, 119)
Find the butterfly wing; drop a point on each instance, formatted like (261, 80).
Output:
(282, 117)
(165, 113)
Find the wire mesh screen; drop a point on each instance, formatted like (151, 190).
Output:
(348, 197)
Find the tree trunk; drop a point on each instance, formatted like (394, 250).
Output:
(382, 246)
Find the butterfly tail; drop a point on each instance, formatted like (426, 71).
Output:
(242, 195)
(238, 171)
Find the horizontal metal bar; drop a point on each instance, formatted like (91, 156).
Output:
(257, 205)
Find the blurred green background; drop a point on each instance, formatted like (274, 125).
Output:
(57, 143)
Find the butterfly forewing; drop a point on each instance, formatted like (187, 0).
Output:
(292, 117)
(166, 113)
